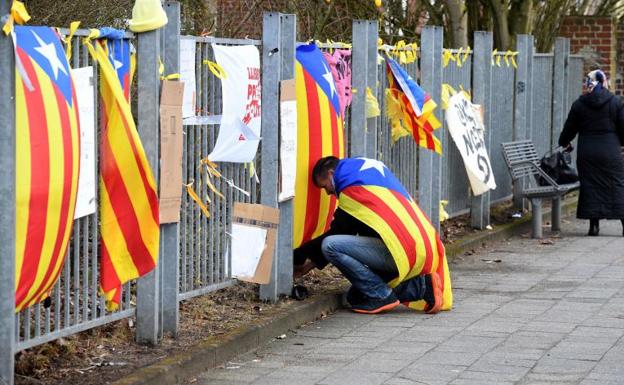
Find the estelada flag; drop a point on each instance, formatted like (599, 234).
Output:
(410, 108)
(320, 133)
(369, 191)
(47, 161)
(129, 220)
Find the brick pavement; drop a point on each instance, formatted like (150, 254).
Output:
(544, 314)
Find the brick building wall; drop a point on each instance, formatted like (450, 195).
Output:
(598, 40)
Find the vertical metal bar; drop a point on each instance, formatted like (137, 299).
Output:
(371, 82)
(523, 103)
(76, 271)
(95, 310)
(7, 205)
(37, 319)
(57, 306)
(481, 91)
(283, 283)
(66, 285)
(425, 157)
(560, 88)
(359, 78)
(271, 74)
(170, 233)
(148, 123)
(85, 269)
(436, 162)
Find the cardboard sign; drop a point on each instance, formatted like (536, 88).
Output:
(171, 151)
(263, 217)
(288, 139)
(467, 129)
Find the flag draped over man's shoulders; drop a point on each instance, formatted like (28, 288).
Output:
(128, 201)
(47, 160)
(320, 133)
(369, 191)
(410, 108)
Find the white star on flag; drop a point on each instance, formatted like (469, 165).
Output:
(329, 78)
(49, 52)
(117, 64)
(372, 163)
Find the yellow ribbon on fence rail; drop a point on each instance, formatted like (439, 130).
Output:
(191, 192)
(73, 26)
(161, 71)
(216, 69)
(18, 14)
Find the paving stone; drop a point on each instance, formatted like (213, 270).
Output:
(355, 377)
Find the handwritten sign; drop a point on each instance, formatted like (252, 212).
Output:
(466, 128)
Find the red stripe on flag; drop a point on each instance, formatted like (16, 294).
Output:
(109, 279)
(124, 211)
(39, 179)
(68, 169)
(421, 230)
(316, 146)
(377, 205)
(149, 191)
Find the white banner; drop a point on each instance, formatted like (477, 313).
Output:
(241, 103)
(187, 76)
(467, 129)
(83, 82)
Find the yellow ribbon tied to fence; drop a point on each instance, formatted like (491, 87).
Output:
(18, 14)
(443, 214)
(191, 192)
(372, 105)
(216, 69)
(73, 26)
(161, 71)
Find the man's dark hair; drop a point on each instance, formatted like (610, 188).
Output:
(322, 167)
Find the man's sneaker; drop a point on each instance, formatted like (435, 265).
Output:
(433, 293)
(376, 305)
(354, 296)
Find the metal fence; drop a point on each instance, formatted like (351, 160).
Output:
(195, 253)
(75, 304)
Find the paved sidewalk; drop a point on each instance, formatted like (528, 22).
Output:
(544, 314)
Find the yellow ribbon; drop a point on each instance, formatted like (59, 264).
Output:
(195, 197)
(443, 214)
(458, 57)
(447, 56)
(211, 170)
(216, 69)
(73, 26)
(466, 54)
(18, 14)
(161, 71)
(513, 59)
(372, 105)
(447, 92)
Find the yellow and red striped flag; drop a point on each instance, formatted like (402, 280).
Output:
(47, 161)
(128, 200)
(410, 108)
(369, 191)
(320, 133)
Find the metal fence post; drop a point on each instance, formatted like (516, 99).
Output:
(523, 102)
(429, 163)
(271, 75)
(282, 281)
(481, 91)
(170, 232)
(7, 205)
(359, 76)
(148, 123)
(560, 88)
(372, 83)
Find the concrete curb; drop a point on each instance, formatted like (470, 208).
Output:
(216, 351)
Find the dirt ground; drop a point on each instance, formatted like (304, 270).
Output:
(105, 354)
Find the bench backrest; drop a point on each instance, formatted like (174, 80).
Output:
(517, 152)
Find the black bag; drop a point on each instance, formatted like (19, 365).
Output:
(558, 165)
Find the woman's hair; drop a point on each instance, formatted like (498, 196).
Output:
(322, 167)
(597, 79)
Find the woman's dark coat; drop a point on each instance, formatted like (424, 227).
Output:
(598, 119)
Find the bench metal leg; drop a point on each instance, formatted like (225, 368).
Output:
(536, 221)
(556, 214)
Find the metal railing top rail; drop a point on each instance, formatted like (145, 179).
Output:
(222, 40)
(85, 32)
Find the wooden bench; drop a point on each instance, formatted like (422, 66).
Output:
(522, 161)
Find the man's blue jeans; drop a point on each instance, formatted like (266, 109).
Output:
(367, 263)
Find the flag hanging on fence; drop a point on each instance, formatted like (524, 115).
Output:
(410, 108)
(47, 160)
(369, 191)
(320, 133)
(129, 224)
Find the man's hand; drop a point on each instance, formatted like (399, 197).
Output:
(301, 270)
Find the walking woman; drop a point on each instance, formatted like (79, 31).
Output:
(598, 119)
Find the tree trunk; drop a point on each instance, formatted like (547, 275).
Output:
(458, 23)
(500, 12)
(521, 17)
